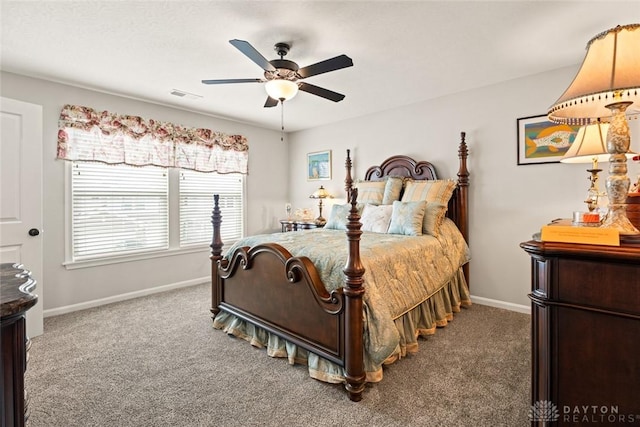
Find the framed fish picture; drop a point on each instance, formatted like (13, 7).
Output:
(542, 141)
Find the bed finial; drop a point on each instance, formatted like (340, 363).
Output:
(348, 181)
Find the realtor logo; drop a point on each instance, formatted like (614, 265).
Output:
(543, 410)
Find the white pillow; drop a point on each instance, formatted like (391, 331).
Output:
(376, 218)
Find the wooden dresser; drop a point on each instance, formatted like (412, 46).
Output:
(15, 299)
(585, 312)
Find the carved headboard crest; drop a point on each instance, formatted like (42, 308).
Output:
(401, 166)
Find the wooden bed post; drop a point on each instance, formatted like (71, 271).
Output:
(463, 199)
(216, 255)
(348, 181)
(353, 291)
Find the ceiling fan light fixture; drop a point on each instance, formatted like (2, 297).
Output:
(281, 89)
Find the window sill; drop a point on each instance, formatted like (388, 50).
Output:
(73, 265)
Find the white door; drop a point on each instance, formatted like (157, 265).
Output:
(21, 195)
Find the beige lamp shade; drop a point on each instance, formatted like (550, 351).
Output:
(590, 144)
(609, 73)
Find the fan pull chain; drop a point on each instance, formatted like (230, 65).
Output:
(282, 120)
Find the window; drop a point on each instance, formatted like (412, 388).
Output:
(119, 210)
(196, 202)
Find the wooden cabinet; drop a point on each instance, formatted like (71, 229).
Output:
(585, 336)
(15, 299)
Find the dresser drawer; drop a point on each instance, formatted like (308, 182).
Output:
(606, 285)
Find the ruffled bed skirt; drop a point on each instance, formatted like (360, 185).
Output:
(421, 321)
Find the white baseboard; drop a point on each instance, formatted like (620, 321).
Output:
(150, 291)
(501, 304)
(122, 297)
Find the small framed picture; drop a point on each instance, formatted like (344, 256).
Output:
(542, 141)
(319, 165)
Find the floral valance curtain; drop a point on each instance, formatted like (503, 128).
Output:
(102, 136)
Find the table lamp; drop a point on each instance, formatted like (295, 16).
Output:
(320, 194)
(607, 89)
(589, 147)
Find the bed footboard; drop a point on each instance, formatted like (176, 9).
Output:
(268, 287)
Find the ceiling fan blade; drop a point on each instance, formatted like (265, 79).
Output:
(224, 81)
(270, 102)
(324, 93)
(251, 52)
(337, 63)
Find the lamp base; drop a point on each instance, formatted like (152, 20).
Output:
(617, 218)
(618, 183)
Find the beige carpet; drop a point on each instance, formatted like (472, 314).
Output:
(156, 361)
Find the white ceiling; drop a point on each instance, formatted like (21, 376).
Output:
(403, 51)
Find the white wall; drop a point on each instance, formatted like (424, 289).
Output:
(60, 287)
(508, 203)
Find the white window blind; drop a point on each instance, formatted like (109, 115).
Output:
(196, 204)
(118, 209)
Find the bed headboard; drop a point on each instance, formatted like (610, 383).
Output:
(406, 166)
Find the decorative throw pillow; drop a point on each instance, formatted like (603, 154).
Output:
(338, 216)
(376, 218)
(433, 217)
(392, 189)
(371, 192)
(407, 218)
(438, 191)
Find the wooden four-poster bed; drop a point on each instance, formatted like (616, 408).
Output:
(261, 289)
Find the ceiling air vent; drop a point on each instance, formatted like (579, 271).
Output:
(183, 94)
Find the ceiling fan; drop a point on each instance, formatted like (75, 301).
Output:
(282, 76)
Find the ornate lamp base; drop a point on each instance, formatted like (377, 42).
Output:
(617, 218)
(618, 183)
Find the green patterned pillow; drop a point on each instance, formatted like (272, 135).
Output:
(433, 217)
(407, 218)
(438, 190)
(338, 216)
(392, 189)
(371, 192)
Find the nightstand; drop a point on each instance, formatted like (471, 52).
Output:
(297, 225)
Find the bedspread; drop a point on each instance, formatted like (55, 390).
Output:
(402, 272)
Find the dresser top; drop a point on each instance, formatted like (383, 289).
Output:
(624, 252)
(16, 287)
